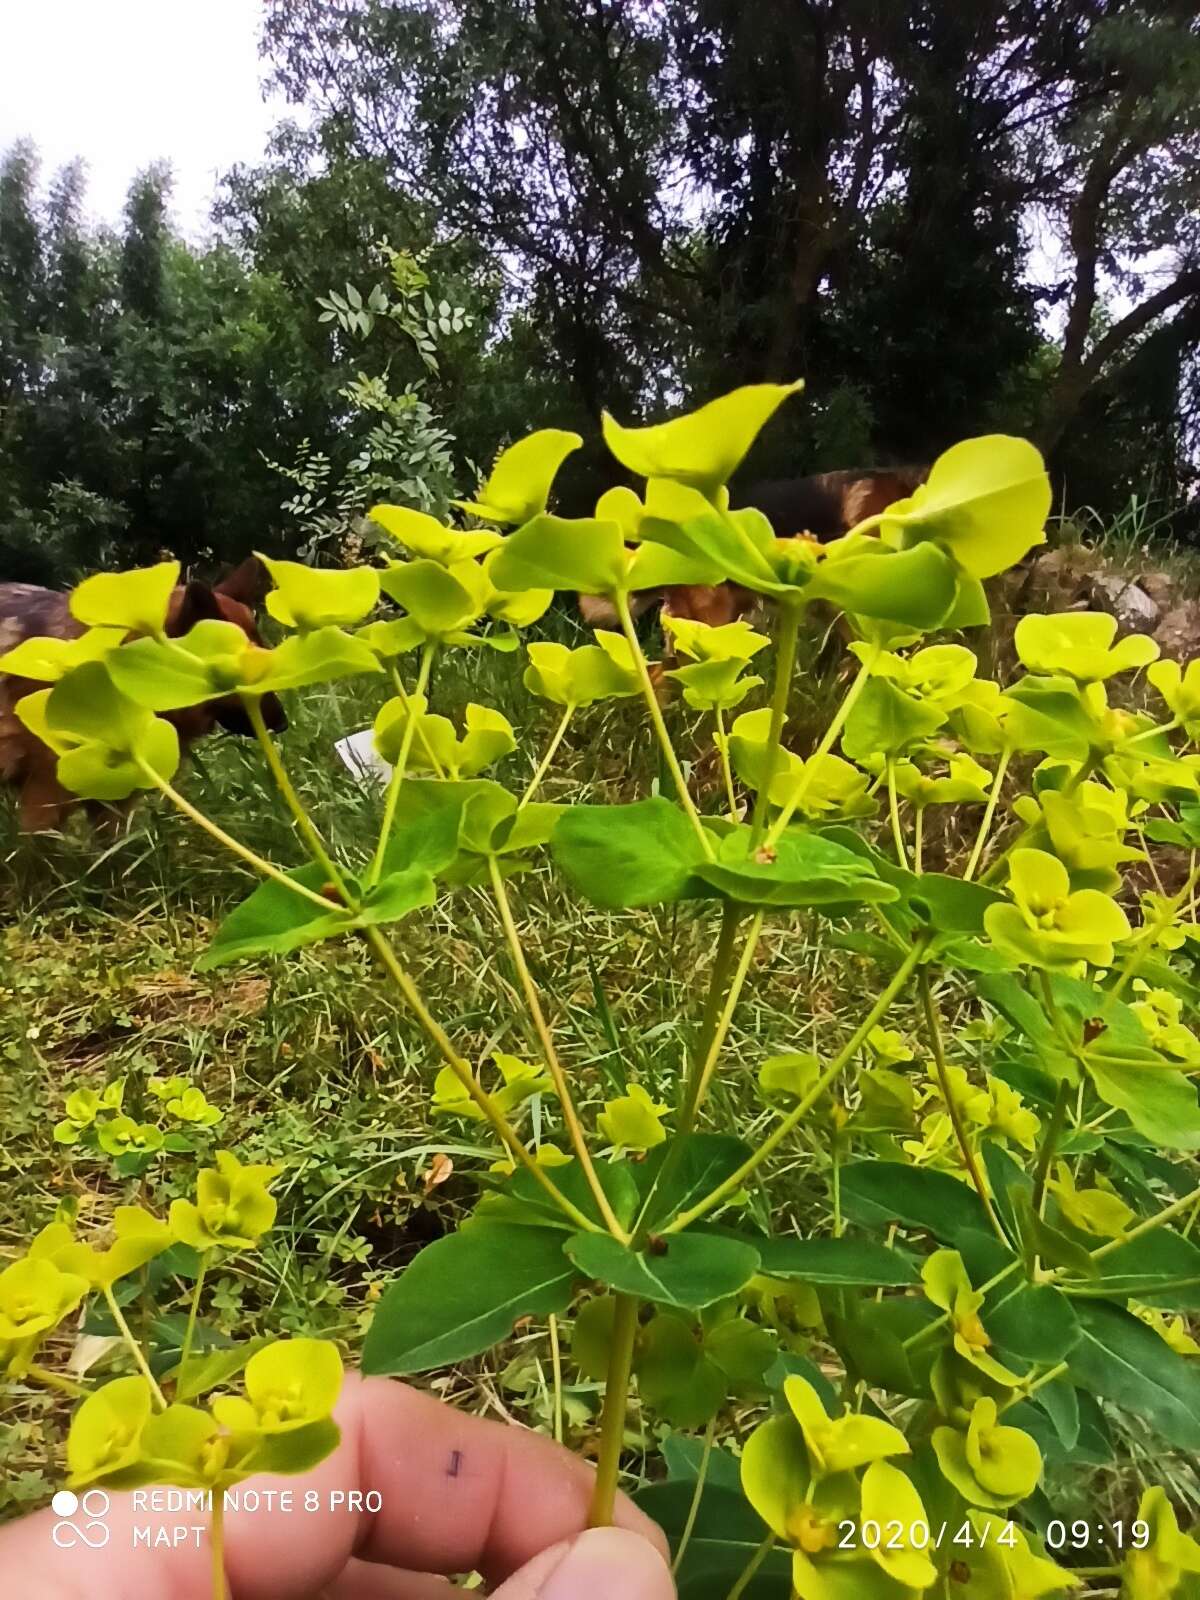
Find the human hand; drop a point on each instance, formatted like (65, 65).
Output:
(457, 1494)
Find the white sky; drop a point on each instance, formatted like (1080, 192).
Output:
(126, 82)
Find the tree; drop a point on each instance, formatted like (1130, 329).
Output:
(1131, 200)
(695, 192)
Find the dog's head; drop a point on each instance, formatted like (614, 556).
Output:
(234, 599)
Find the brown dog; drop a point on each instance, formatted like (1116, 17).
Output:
(27, 612)
(822, 507)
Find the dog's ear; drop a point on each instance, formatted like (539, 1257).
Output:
(248, 583)
(194, 603)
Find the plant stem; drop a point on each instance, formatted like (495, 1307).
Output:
(714, 1024)
(985, 827)
(462, 1071)
(190, 1330)
(1022, 834)
(718, 988)
(616, 1400)
(549, 1054)
(1146, 1226)
(932, 1327)
(726, 770)
(308, 829)
(748, 1167)
(712, 1055)
(1147, 936)
(660, 726)
(135, 1348)
(785, 664)
(55, 1380)
(392, 798)
(685, 1538)
(267, 869)
(918, 836)
(751, 1567)
(1050, 1138)
(543, 765)
(216, 1533)
(1056, 1371)
(556, 1370)
(894, 814)
(954, 1110)
(812, 764)
(431, 755)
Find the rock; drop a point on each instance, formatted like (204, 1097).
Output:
(1126, 600)
(1160, 586)
(1178, 634)
(1058, 579)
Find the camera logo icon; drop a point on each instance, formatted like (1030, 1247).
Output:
(89, 1528)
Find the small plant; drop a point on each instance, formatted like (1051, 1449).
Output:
(96, 1123)
(146, 1428)
(983, 1253)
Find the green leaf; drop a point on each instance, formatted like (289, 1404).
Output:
(674, 1377)
(934, 899)
(734, 544)
(847, 1262)
(634, 855)
(682, 1457)
(914, 588)
(440, 600)
(46, 659)
(321, 656)
(1048, 715)
(1007, 1179)
(1159, 1102)
(307, 597)
(704, 447)
(727, 1532)
(548, 552)
(524, 1200)
(1160, 1269)
(878, 1193)
(706, 1160)
(805, 868)
(519, 483)
(214, 1370)
(886, 720)
(463, 1294)
(96, 771)
(873, 1341)
(137, 600)
(426, 536)
(273, 920)
(1121, 1360)
(686, 1270)
(1037, 1323)
(986, 501)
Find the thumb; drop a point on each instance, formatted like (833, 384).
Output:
(599, 1564)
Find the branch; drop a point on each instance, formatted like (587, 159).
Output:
(1182, 287)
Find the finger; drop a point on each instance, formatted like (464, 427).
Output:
(468, 1495)
(455, 1494)
(595, 1566)
(361, 1580)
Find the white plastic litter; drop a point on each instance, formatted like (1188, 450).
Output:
(358, 752)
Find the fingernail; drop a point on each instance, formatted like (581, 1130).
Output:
(606, 1562)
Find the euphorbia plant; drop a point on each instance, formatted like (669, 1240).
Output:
(978, 1288)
